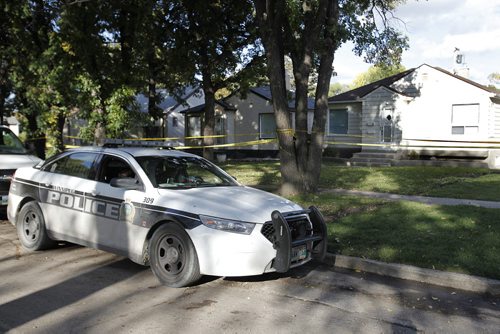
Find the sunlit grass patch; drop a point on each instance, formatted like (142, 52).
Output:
(453, 182)
(457, 238)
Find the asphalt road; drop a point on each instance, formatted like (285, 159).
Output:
(81, 290)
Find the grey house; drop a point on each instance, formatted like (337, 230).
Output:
(244, 122)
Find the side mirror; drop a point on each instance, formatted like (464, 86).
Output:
(127, 183)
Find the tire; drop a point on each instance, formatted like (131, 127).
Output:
(31, 228)
(173, 257)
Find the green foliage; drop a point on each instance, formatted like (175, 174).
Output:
(89, 58)
(337, 88)
(494, 79)
(375, 73)
(122, 112)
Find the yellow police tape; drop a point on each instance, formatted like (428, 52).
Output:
(240, 144)
(493, 144)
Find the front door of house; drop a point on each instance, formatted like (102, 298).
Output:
(387, 125)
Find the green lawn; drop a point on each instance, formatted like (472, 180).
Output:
(462, 239)
(453, 238)
(454, 182)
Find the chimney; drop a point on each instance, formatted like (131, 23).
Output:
(459, 66)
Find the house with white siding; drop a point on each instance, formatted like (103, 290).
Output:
(424, 111)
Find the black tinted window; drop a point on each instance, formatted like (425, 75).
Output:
(76, 164)
(112, 167)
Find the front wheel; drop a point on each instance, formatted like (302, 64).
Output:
(173, 257)
(31, 228)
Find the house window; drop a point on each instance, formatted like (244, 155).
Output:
(194, 126)
(220, 130)
(337, 121)
(267, 126)
(465, 119)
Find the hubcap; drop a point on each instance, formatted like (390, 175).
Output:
(171, 255)
(31, 226)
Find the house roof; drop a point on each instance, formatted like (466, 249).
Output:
(199, 108)
(262, 91)
(172, 100)
(478, 85)
(358, 93)
(265, 92)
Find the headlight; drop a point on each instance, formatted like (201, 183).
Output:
(227, 225)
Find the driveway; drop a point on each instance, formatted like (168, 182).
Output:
(77, 289)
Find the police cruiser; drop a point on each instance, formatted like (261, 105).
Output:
(174, 211)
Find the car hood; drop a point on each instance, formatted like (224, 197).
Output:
(238, 202)
(14, 161)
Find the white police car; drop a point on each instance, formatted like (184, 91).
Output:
(175, 211)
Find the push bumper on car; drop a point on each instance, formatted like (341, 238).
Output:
(295, 250)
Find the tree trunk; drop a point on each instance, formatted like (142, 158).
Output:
(59, 142)
(270, 20)
(300, 155)
(209, 120)
(2, 105)
(325, 72)
(38, 137)
(100, 127)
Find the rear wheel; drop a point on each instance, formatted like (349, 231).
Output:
(31, 228)
(173, 257)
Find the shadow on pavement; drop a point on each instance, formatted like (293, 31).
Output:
(37, 304)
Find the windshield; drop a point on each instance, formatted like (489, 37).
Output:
(183, 172)
(9, 143)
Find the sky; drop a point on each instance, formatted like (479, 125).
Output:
(435, 28)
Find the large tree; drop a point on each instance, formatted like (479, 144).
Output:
(103, 38)
(7, 50)
(309, 32)
(30, 31)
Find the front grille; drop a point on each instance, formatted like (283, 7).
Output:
(5, 175)
(268, 231)
(7, 172)
(300, 227)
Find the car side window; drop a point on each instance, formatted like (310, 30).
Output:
(77, 164)
(112, 167)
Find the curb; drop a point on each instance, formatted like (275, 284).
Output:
(429, 276)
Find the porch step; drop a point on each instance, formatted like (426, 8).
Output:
(373, 159)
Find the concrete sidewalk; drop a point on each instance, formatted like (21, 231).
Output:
(428, 276)
(420, 199)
